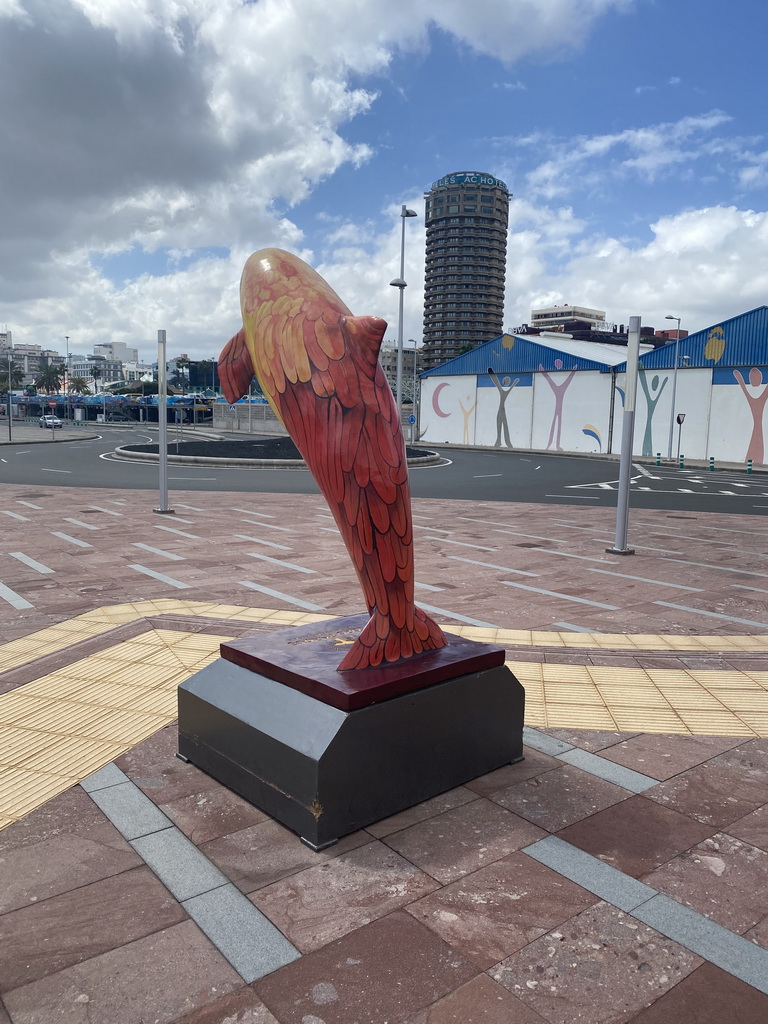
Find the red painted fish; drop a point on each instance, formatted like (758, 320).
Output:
(318, 366)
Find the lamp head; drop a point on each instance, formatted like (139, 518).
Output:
(670, 317)
(398, 283)
(405, 212)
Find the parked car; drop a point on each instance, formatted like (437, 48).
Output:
(49, 421)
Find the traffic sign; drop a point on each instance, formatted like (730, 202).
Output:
(52, 404)
(411, 418)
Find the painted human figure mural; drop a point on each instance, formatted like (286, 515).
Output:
(466, 413)
(755, 451)
(558, 390)
(652, 396)
(504, 387)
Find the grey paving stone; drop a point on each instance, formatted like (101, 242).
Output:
(178, 863)
(543, 743)
(608, 770)
(129, 810)
(109, 775)
(242, 933)
(724, 948)
(590, 873)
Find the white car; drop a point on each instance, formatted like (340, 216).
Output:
(49, 421)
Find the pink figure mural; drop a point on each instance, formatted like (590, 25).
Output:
(467, 413)
(756, 407)
(558, 390)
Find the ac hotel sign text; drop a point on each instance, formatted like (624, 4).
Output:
(469, 178)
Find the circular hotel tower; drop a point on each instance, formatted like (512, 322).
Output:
(466, 218)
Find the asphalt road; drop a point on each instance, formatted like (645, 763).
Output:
(485, 476)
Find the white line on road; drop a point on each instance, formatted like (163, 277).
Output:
(484, 476)
(722, 568)
(434, 529)
(266, 526)
(79, 522)
(158, 551)
(193, 508)
(16, 515)
(109, 511)
(195, 478)
(490, 522)
(455, 615)
(568, 554)
(563, 597)
(29, 504)
(645, 579)
(460, 543)
(181, 533)
(571, 497)
(43, 469)
(533, 536)
(249, 512)
(267, 543)
(37, 566)
(71, 540)
(711, 615)
(427, 586)
(25, 452)
(161, 577)
(280, 562)
(490, 565)
(13, 599)
(282, 597)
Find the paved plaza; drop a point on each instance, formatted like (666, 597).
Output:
(619, 873)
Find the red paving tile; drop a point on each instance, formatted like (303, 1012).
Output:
(383, 972)
(480, 1001)
(636, 835)
(600, 967)
(707, 996)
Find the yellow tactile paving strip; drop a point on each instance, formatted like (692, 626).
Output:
(57, 729)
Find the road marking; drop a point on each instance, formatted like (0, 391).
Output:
(109, 511)
(13, 599)
(461, 544)
(743, 586)
(268, 543)
(266, 526)
(644, 472)
(490, 565)
(427, 586)
(25, 452)
(644, 579)
(186, 478)
(44, 470)
(434, 529)
(161, 577)
(533, 536)
(37, 566)
(732, 493)
(16, 515)
(685, 490)
(280, 562)
(455, 615)
(306, 605)
(28, 503)
(415, 516)
(712, 615)
(181, 533)
(192, 508)
(489, 522)
(664, 551)
(722, 568)
(485, 476)
(563, 597)
(71, 540)
(117, 501)
(178, 519)
(264, 515)
(567, 554)
(571, 497)
(79, 522)
(158, 551)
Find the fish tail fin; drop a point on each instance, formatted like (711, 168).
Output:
(382, 642)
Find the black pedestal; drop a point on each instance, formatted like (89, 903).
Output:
(324, 772)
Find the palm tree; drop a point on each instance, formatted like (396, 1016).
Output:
(78, 386)
(17, 376)
(96, 375)
(50, 378)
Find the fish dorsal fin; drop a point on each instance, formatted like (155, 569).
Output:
(367, 332)
(235, 368)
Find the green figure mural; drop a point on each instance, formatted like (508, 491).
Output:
(504, 387)
(651, 403)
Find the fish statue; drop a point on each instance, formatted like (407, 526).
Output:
(318, 367)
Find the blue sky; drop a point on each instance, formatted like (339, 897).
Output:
(151, 145)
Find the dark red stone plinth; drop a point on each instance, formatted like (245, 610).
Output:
(307, 659)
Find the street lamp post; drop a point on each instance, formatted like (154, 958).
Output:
(674, 383)
(399, 282)
(10, 392)
(66, 378)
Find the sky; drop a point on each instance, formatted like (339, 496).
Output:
(149, 146)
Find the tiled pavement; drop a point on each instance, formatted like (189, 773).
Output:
(617, 874)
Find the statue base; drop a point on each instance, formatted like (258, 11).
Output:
(268, 725)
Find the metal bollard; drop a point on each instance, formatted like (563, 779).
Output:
(658, 458)
(712, 464)
(681, 464)
(749, 465)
